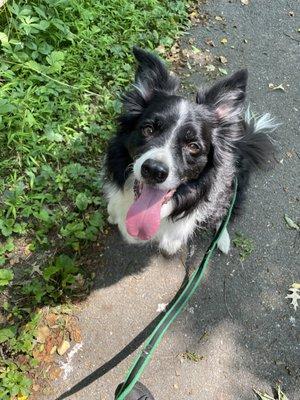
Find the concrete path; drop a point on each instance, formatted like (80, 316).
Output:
(239, 323)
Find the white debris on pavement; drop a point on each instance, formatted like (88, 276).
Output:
(161, 307)
(66, 366)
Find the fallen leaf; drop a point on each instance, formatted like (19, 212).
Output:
(245, 2)
(161, 49)
(245, 41)
(291, 223)
(53, 350)
(22, 397)
(278, 87)
(223, 59)
(296, 285)
(51, 319)
(63, 348)
(291, 13)
(210, 42)
(224, 40)
(74, 331)
(218, 18)
(223, 71)
(54, 373)
(210, 68)
(265, 396)
(294, 296)
(42, 334)
(35, 387)
(196, 50)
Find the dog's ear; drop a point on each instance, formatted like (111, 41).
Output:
(226, 97)
(151, 75)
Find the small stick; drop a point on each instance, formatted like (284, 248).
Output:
(291, 37)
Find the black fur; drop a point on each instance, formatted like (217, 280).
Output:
(215, 121)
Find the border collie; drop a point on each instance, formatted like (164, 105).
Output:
(171, 165)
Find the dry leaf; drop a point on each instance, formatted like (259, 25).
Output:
(245, 2)
(223, 59)
(210, 42)
(224, 40)
(42, 334)
(296, 285)
(161, 49)
(51, 319)
(265, 396)
(294, 296)
(218, 18)
(278, 87)
(291, 13)
(35, 387)
(75, 333)
(63, 348)
(54, 373)
(210, 68)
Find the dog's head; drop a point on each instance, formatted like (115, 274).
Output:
(171, 141)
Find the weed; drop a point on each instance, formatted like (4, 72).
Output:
(244, 245)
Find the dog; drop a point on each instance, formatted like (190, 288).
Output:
(171, 165)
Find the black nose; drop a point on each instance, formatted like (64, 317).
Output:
(154, 171)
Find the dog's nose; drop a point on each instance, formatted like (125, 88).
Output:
(154, 171)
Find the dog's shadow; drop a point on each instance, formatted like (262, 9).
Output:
(121, 259)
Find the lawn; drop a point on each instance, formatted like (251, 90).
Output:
(63, 64)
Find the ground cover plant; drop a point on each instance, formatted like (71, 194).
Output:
(63, 64)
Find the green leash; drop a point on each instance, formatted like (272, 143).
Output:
(156, 336)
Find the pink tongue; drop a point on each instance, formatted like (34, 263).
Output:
(143, 217)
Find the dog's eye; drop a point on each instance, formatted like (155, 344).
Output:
(193, 148)
(147, 130)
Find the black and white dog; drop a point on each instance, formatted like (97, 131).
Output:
(171, 165)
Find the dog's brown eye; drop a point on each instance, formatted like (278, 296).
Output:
(193, 148)
(147, 130)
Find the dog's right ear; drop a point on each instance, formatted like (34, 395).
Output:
(151, 76)
(226, 97)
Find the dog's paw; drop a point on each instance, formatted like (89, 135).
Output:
(224, 242)
(170, 248)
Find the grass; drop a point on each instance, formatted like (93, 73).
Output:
(63, 66)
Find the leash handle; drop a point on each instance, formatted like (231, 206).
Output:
(158, 332)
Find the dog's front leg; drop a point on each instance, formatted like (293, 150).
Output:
(174, 235)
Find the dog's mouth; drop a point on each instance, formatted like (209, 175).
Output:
(143, 217)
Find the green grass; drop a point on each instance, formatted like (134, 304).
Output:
(63, 65)
(244, 245)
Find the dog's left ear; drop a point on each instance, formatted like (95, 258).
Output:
(151, 76)
(226, 97)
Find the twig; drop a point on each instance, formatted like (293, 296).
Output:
(225, 298)
(291, 37)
